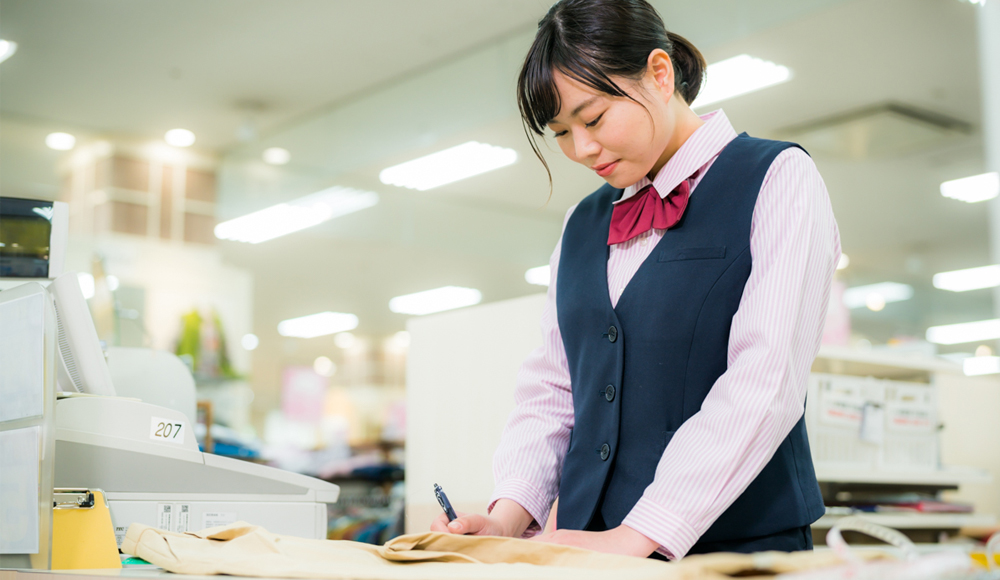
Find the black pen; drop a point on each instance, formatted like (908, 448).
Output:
(445, 504)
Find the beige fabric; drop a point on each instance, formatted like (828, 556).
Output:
(241, 549)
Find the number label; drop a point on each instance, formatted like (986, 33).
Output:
(167, 431)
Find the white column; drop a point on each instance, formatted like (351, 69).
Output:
(989, 63)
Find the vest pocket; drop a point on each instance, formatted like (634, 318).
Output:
(676, 254)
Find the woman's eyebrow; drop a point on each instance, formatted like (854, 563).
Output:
(580, 107)
(583, 106)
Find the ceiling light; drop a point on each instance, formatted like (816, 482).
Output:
(305, 212)
(317, 324)
(436, 300)
(981, 365)
(179, 138)
(965, 332)
(875, 302)
(739, 75)
(60, 141)
(344, 340)
(538, 276)
(969, 279)
(7, 49)
(277, 156)
(112, 281)
(448, 166)
(874, 294)
(843, 262)
(324, 366)
(972, 189)
(250, 341)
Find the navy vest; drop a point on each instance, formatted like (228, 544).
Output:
(642, 368)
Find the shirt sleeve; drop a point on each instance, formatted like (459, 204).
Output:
(775, 335)
(528, 462)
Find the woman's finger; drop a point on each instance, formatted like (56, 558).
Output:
(440, 524)
(468, 524)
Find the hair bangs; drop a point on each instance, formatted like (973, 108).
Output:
(538, 97)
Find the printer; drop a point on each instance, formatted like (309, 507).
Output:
(147, 461)
(124, 423)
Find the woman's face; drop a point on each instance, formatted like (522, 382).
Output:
(616, 137)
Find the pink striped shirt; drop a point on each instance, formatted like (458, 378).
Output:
(775, 335)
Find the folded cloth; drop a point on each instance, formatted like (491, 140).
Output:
(241, 549)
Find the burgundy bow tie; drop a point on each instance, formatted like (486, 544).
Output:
(646, 210)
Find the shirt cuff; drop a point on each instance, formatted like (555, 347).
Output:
(674, 535)
(528, 497)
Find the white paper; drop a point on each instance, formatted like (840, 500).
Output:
(182, 513)
(873, 424)
(165, 517)
(214, 519)
(22, 349)
(19, 459)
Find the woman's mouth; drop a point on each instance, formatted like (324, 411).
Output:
(606, 169)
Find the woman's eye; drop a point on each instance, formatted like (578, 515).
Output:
(559, 134)
(594, 122)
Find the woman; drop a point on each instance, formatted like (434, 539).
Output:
(686, 305)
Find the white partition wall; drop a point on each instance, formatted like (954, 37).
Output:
(460, 378)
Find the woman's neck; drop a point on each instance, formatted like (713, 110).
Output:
(686, 123)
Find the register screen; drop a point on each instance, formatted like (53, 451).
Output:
(25, 231)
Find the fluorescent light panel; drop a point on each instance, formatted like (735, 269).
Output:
(539, 276)
(972, 189)
(179, 138)
(981, 365)
(319, 324)
(305, 212)
(7, 49)
(60, 141)
(858, 297)
(737, 76)
(964, 332)
(448, 166)
(276, 156)
(969, 279)
(437, 300)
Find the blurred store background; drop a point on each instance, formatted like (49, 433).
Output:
(167, 125)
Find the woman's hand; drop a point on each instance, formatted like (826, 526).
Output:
(508, 518)
(621, 540)
(471, 524)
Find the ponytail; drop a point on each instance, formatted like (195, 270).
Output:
(689, 67)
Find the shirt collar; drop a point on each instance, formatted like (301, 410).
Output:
(701, 148)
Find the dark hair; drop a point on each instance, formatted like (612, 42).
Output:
(591, 41)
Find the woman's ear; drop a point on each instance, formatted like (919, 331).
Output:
(660, 69)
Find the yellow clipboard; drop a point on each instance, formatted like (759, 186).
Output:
(83, 536)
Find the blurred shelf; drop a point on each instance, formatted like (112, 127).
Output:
(951, 476)
(375, 474)
(880, 363)
(916, 521)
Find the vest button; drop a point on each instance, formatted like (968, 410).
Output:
(605, 452)
(612, 334)
(609, 393)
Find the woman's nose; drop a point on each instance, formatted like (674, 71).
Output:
(584, 145)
